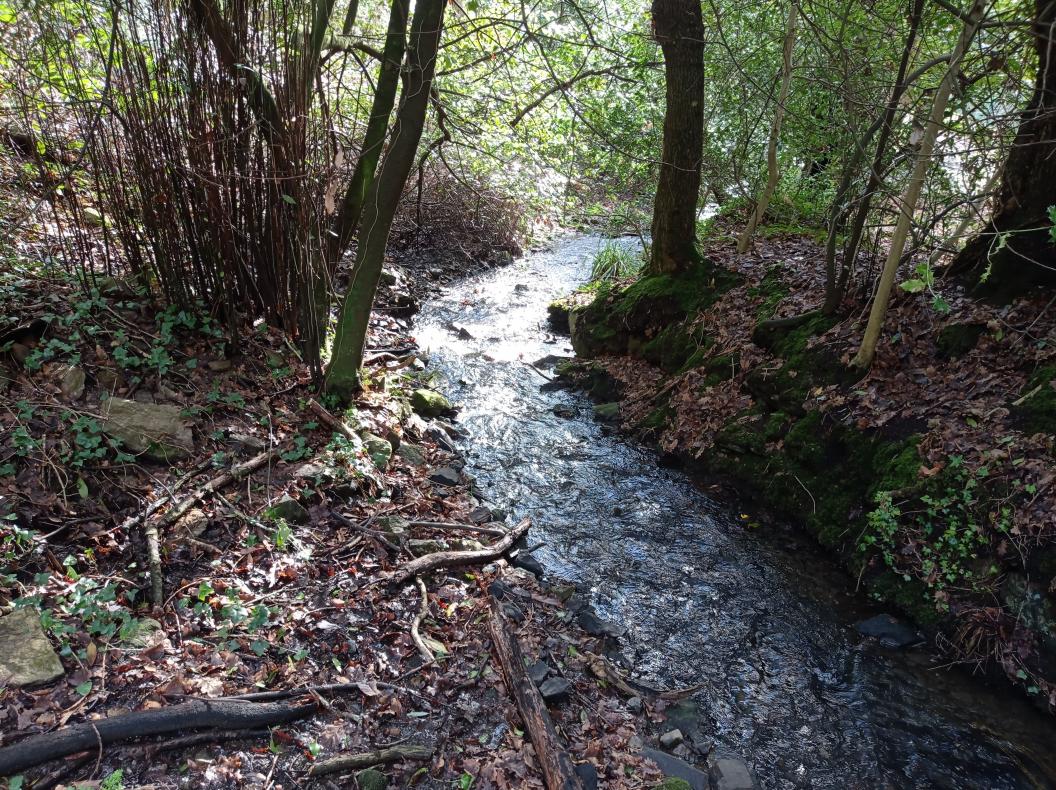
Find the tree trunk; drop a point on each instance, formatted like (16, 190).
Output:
(835, 285)
(1016, 251)
(679, 29)
(773, 174)
(377, 126)
(922, 161)
(342, 375)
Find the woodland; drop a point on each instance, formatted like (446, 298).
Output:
(241, 544)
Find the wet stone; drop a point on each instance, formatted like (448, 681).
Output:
(731, 773)
(889, 631)
(588, 775)
(634, 705)
(555, 689)
(429, 403)
(595, 626)
(538, 672)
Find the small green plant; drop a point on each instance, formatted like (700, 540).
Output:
(300, 449)
(613, 262)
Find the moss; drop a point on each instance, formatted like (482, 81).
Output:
(1036, 412)
(673, 783)
(772, 289)
(956, 340)
(674, 347)
(911, 596)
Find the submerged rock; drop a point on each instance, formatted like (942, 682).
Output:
(26, 655)
(889, 631)
(672, 738)
(731, 773)
(429, 403)
(595, 626)
(157, 433)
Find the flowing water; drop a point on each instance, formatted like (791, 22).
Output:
(757, 616)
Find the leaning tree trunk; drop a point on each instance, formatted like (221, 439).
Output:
(908, 202)
(773, 174)
(342, 375)
(1015, 251)
(679, 29)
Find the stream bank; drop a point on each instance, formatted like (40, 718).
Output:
(706, 594)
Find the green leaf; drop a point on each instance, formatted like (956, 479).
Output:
(82, 488)
(85, 688)
(913, 286)
(289, 199)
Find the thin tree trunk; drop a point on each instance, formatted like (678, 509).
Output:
(342, 376)
(835, 286)
(773, 174)
(922, 161)
(679, 29)
(377, 126)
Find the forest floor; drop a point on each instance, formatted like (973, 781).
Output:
(962, 394)
(280, 578)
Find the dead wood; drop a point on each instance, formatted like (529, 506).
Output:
(457, 559)
(391, 754)
(554, 761)
(192, 715)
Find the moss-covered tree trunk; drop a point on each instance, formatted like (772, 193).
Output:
(342, 376)
(679, 29)
(1015, 250)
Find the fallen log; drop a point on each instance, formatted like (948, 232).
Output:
(192, 715)
(457, 559)
(350, 762)
(554, 762)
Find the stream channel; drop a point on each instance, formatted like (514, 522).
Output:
(758, 616)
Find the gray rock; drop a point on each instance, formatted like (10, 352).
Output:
(445, 476)
(158, 433)
(555, 689)
(634, 705)
(588, 775)
(26, 655)
(411, 453)
(526, 562)
(538, 672)
(372, 779)
(889, 631)
(247, 441)
(608, 412)
(672, 738)
(674, 768)
(72, 383)
(731, 773)
(379, 449)
(219, 365)
(429, 403)
(440, 436)
(480, 515)
(684, 716)
(564, 411)
(141, 634)
(288, 509)
(595, 626)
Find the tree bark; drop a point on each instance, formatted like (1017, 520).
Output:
(1027, 256)
(678, 26)
(342, 375)
(773, 174)
(922, 161)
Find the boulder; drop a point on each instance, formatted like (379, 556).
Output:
(26, 655)
(673, 768)
(429, 403)
(157, 433)
(731, 773)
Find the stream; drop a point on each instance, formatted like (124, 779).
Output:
(758, 616)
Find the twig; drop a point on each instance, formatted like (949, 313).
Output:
(455, 559)
(330, 420)
(443, 525)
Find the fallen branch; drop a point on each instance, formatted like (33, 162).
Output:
(457, 559)
(554, 762)
(193, 715)
(350, 762)
(416, 624)
(498, 532)
(330, 420)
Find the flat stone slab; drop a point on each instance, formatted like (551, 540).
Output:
(674, 768)
(731, 773)
(26, 655)
(158, 433)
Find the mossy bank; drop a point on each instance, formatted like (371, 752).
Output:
(935, 541)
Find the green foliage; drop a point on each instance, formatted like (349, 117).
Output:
(614, 261)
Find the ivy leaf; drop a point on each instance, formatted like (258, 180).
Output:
(914, 286)
(85, 688)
